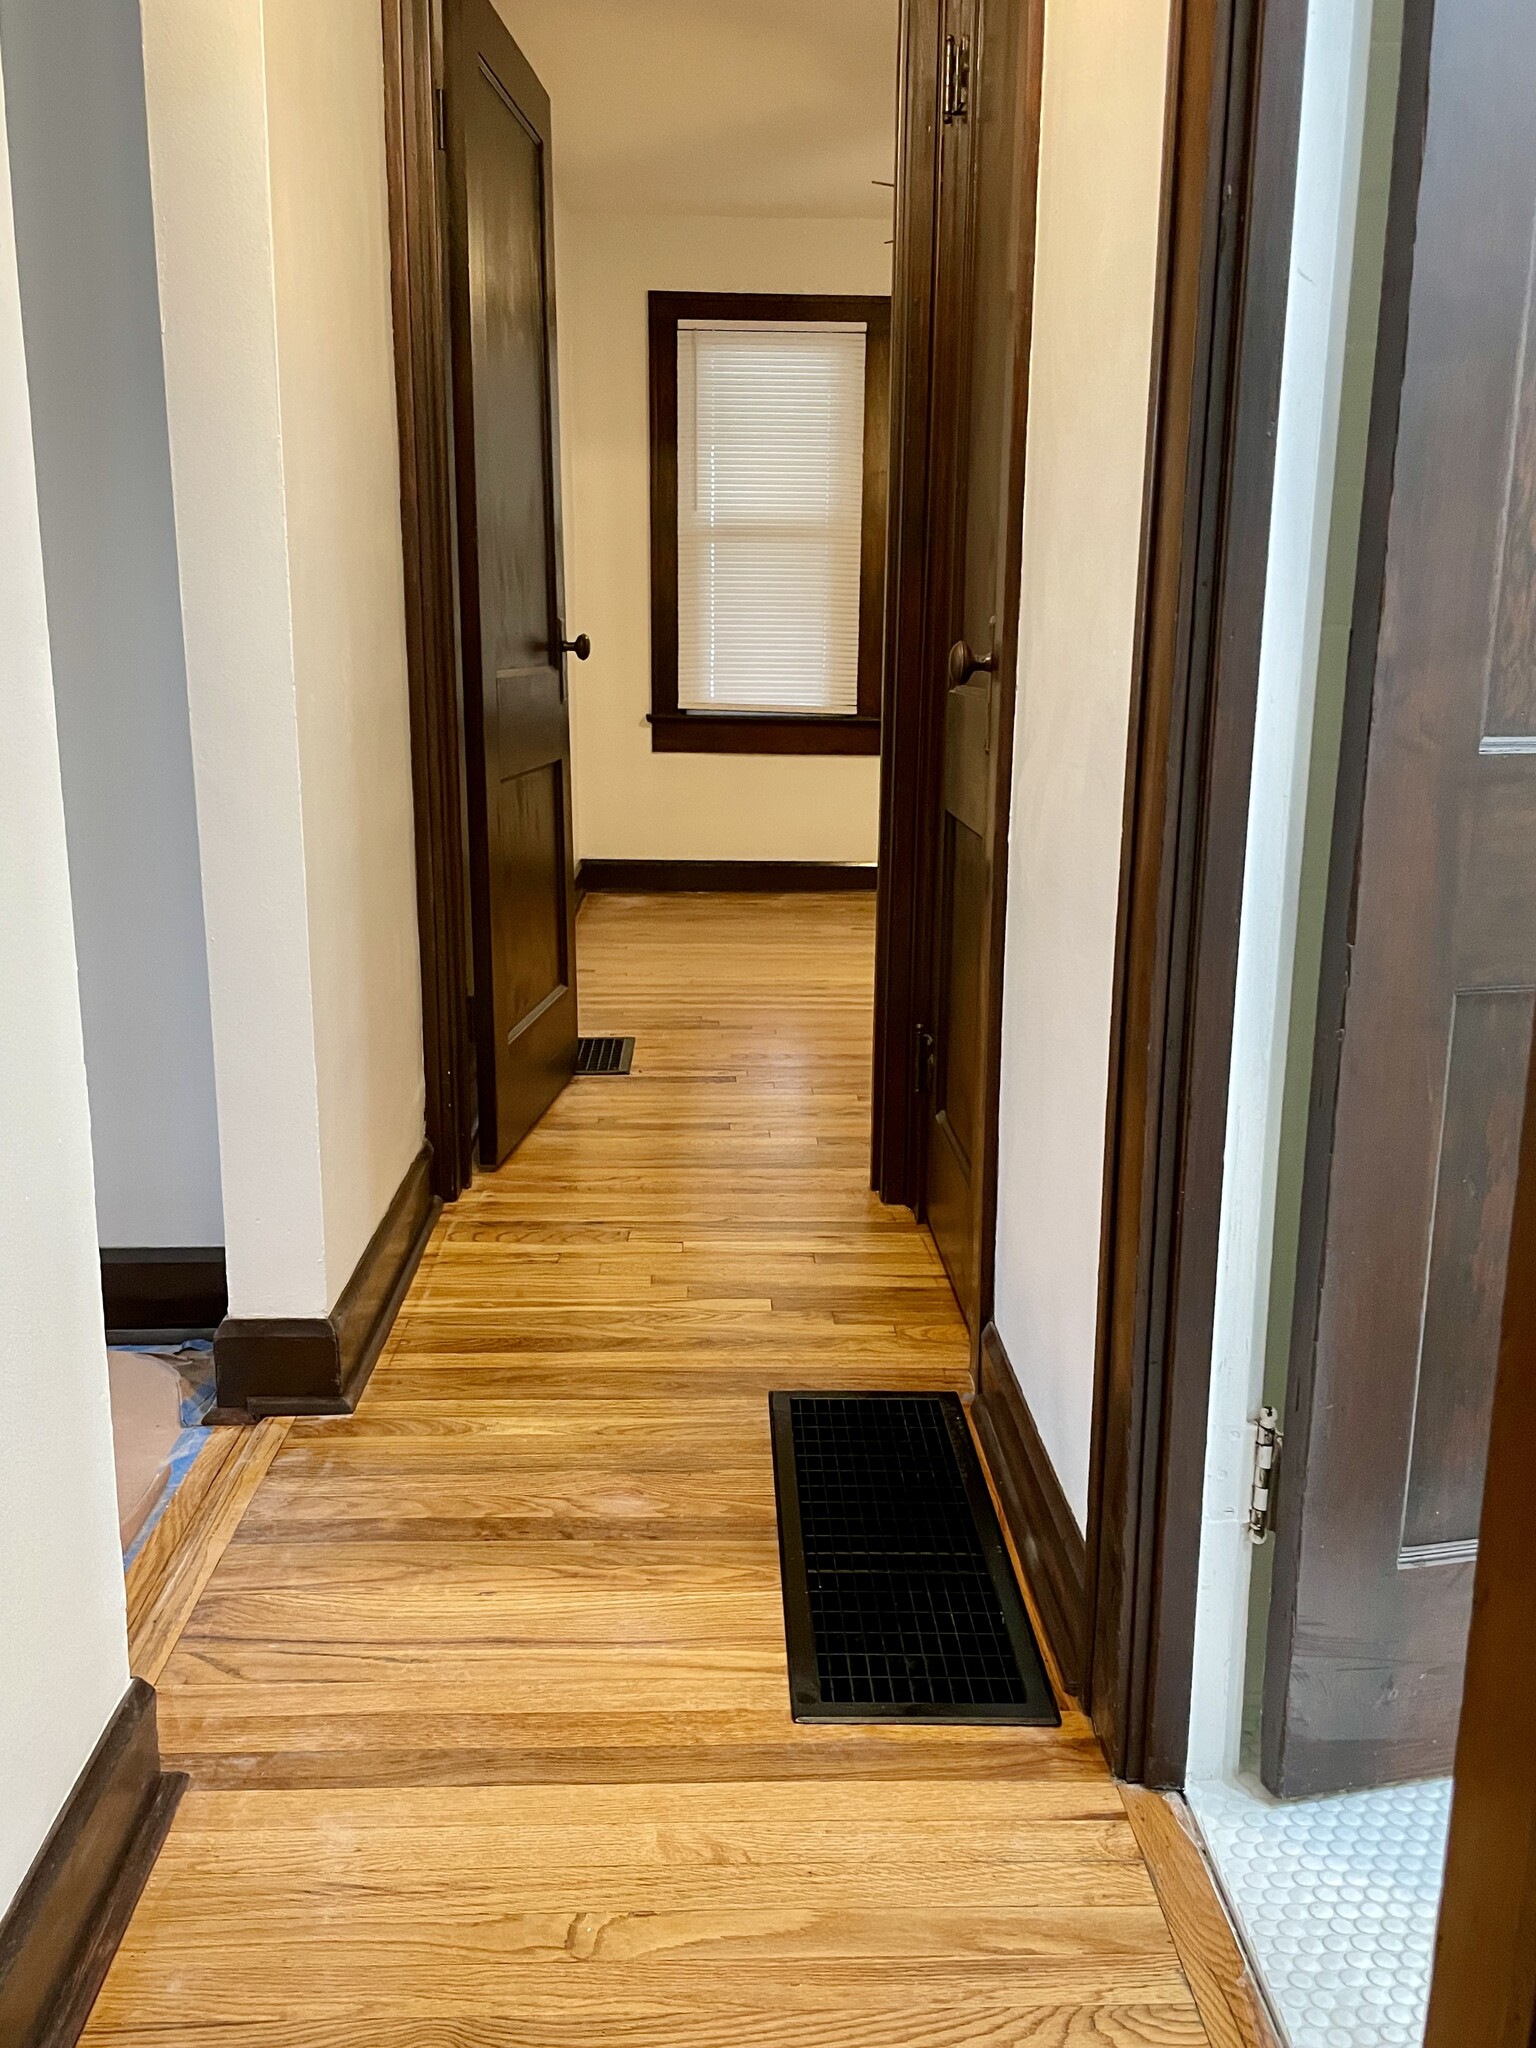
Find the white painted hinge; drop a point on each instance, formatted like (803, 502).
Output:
(1266, 1453)
(955, 97)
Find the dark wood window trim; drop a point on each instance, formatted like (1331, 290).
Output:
(675, 731)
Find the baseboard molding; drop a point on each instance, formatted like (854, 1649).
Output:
(64, 1925)
(319, 1365)
(1040, 1521)
(152, 1295)
(764, 877)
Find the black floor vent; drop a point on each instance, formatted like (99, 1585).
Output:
(899, 1600)
(604, 1055)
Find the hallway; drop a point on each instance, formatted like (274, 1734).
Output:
(485, 1704)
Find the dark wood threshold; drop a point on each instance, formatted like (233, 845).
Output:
(64, 1925)
(1044, 1530)
(735, 732)
(762, 877)
(154, 1295)
(319, 1365)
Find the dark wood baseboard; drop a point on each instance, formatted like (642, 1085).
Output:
(318, 1365)
(64, 1925)
(765, 877)
(1040, 1521)
(152, 1295)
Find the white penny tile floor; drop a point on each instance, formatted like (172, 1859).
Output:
(1337, 1899)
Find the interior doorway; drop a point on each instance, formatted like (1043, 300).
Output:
(723, 293)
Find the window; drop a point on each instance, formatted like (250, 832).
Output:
(768, 493)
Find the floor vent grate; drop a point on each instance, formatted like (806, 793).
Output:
(899, 1599)
(604, 1055)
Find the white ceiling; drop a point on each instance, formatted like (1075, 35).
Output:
(780, 107)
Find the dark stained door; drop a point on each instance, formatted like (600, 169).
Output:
(1424, 1042)
(517, 732)
(990, 95)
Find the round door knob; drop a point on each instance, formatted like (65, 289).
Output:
(581, 646)
(964, 662)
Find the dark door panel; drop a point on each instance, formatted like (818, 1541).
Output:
(517, 729)
(986, 209)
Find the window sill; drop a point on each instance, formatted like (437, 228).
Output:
(730, 732)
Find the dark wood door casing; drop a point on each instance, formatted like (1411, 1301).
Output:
(909, 732)
(1234, 90)
(1424, 1024)
(426, 517)
(512, 602)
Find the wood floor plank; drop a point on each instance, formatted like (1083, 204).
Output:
(163, 1615)
(190, 1506)
(483, 1690)
(1223, 1986)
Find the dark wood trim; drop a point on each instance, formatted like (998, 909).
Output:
(319, 1365)
(675, 731)
(735, 732)
(1026, 172)
(929, 430)
(763, 877)
(421, 394)
(1483, 1994)
(64, 1925)
(1234, 97)
(152, 1295)
(911, 730)
(1044, 1529)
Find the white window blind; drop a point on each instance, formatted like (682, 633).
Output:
(770, 491)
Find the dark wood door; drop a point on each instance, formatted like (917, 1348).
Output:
(1425, 1030)
(990, 98)
(506, 448)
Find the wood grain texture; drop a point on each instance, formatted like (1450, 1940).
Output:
(485, 1702)
(182, 1517)
(166, 1582)
(1218, 1975)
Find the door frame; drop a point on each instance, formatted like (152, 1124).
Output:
(911, 730)
(1350, 798)
(412, 35)
(1233, 135)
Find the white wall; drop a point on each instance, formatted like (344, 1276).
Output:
(267, 162)
(91, 316)
(631, 803)
(63, 1636)
(1090, 380)
(330, 224)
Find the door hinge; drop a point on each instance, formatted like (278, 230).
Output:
(1266, 1456)
(957, 78)
(926, 1055)
(439, 117)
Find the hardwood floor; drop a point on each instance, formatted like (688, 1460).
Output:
(485, 1700)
